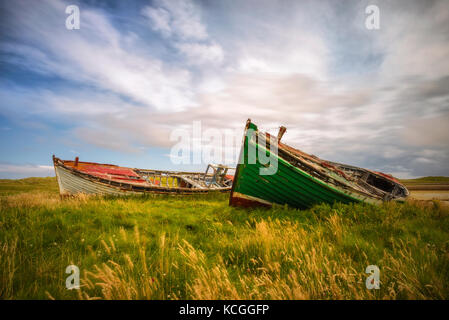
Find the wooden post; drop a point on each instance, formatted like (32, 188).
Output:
(281, 132)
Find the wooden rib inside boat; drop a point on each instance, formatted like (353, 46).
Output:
(303, 180)
(76, 177)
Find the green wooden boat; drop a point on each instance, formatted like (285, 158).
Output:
(302, 180)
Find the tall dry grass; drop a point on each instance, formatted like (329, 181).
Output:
(199, 248)
(282, 261)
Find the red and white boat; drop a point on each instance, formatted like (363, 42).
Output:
(76, 177)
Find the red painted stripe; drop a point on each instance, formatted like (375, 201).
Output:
(112, 173)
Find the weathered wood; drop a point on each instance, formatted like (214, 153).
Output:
(95, 178)
(303, 180)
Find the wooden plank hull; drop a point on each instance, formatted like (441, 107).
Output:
(70, 184)
(292, 184)
(93, 178)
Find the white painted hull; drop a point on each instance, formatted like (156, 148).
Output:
(75, 177)
(70, 184)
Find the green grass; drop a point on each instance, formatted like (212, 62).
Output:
(8, 186)
(426, 180)
(197, 247)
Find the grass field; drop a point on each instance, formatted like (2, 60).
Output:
(197, 247)
(424, 180)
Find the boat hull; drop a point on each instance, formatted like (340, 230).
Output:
(71, 184)
(93, 178)
(288, 185)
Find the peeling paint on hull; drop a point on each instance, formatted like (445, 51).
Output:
(302, 180)
(70, 184)
(76, 177)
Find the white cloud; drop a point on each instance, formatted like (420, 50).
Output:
(274, 66)
(160, 19)
(27, 170)
(302, 54)
(179, 18)
(427, 132)
(197, 53)
(97, 55)
(414, 37)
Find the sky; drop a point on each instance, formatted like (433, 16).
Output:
(117, 89)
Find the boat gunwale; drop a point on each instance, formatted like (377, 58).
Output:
(319, 181)
(136, 188)
(345, 189)
(340, 184)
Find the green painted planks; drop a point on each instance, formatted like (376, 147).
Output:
(289, 185)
